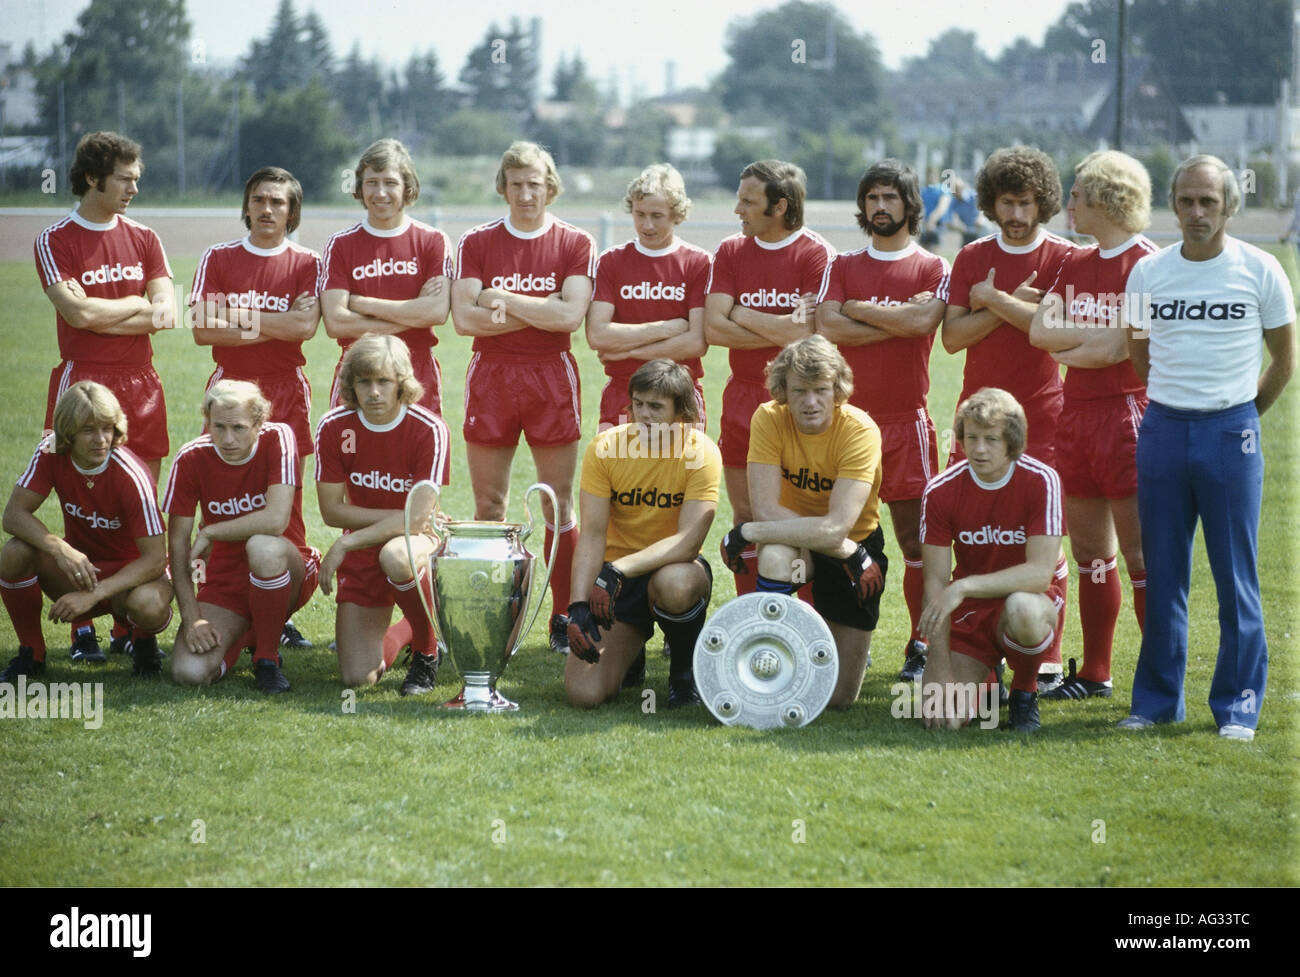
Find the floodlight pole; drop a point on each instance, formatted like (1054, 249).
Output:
(1119, 78)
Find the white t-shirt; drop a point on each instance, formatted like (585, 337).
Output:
(1206, 322)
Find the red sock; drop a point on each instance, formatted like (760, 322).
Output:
(122, 628)
(747, 583)
(22, 599)
(913, 592)
(1099, 600)
(72, 628)
(268, 602)
(234, 651)
(562, 571)
(1139, 582)
(397, 637)
(408, 599)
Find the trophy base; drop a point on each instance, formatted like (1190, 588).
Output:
(478, 698)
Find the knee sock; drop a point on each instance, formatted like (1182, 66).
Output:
(268, 602)
(562, 571)
(681, 632)
(22, 599)
(1099, 600)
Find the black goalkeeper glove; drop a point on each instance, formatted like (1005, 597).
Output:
(604, 594)
(733, 544)
(584, 636)
(865, 573)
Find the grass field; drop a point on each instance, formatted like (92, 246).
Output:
(223, 786)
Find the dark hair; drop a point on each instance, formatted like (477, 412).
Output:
(781, 181)
(900, 176)
(97, 156)
(671, 380)
(276, 174)
(1019, 169)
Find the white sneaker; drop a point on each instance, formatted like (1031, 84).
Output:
(1235, 731)
(1134, 722)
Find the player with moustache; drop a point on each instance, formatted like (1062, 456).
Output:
(389, 274)
(998, 513)
(254, 301)
(814, 480)
(880, 306)
(524, 283)
(649, 298)
(112, 557)
(761, 297)
(249, 559)
(1200, 314)
(111, 287)
(1078, 322)
(370, 452)
(649, 493)
(996, 284)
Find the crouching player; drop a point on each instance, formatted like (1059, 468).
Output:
(250, 559)
(814, 484)
(648, 495)
(113, 557)
(370, 452)
(999, 511)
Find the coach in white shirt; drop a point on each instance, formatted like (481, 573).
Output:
(1197, 312)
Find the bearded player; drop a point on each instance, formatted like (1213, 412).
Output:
(112, 557)
(389, 275)
(999, 512)
(649, 494)
(761, 296)
(249, 559)
(814, 478)
(880, 306)
(649, 299)
(1096, 446)
(523, 286)
(370, 452)
(111, 288)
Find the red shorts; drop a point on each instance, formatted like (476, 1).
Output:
(615, 408)
(226, 583)
(539, 395)
(290, 397)
(137, 389)
(105, 569)
(362, 581)
(1096, 447)
(425, 366)
(740, 398)
(975, 631)
(909, 456)
(1042, 415)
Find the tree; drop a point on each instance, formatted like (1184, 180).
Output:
(299, 130)
(281, 61)
(500, 74)
(359, 87)
(572, 83)
(421, 99)
(953, 57)
(780, 70)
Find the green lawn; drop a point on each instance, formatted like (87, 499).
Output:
(222, 786)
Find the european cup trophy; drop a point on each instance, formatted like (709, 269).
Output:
(482, 578)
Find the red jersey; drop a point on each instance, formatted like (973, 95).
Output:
(104, 510)
(650, 286)
(239, 275)
(767, 278)
(224, 490)
(988, 525)
(365, 260)
(1004, 357)
(380, 465)
(893, 375)
(527, 263)
(109, 261)
(1091, 283)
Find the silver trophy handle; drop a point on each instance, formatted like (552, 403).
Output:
(550, 560)
(422, 514)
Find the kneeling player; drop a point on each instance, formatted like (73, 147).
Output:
(814, 483)
(250, 557)
(369, 454)
(648, 495)
(999, 511)
(113, 557)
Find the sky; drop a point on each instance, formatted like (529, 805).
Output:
(622, 41)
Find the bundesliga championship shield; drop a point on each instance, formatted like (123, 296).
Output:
(482, 578)
(766, 660)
